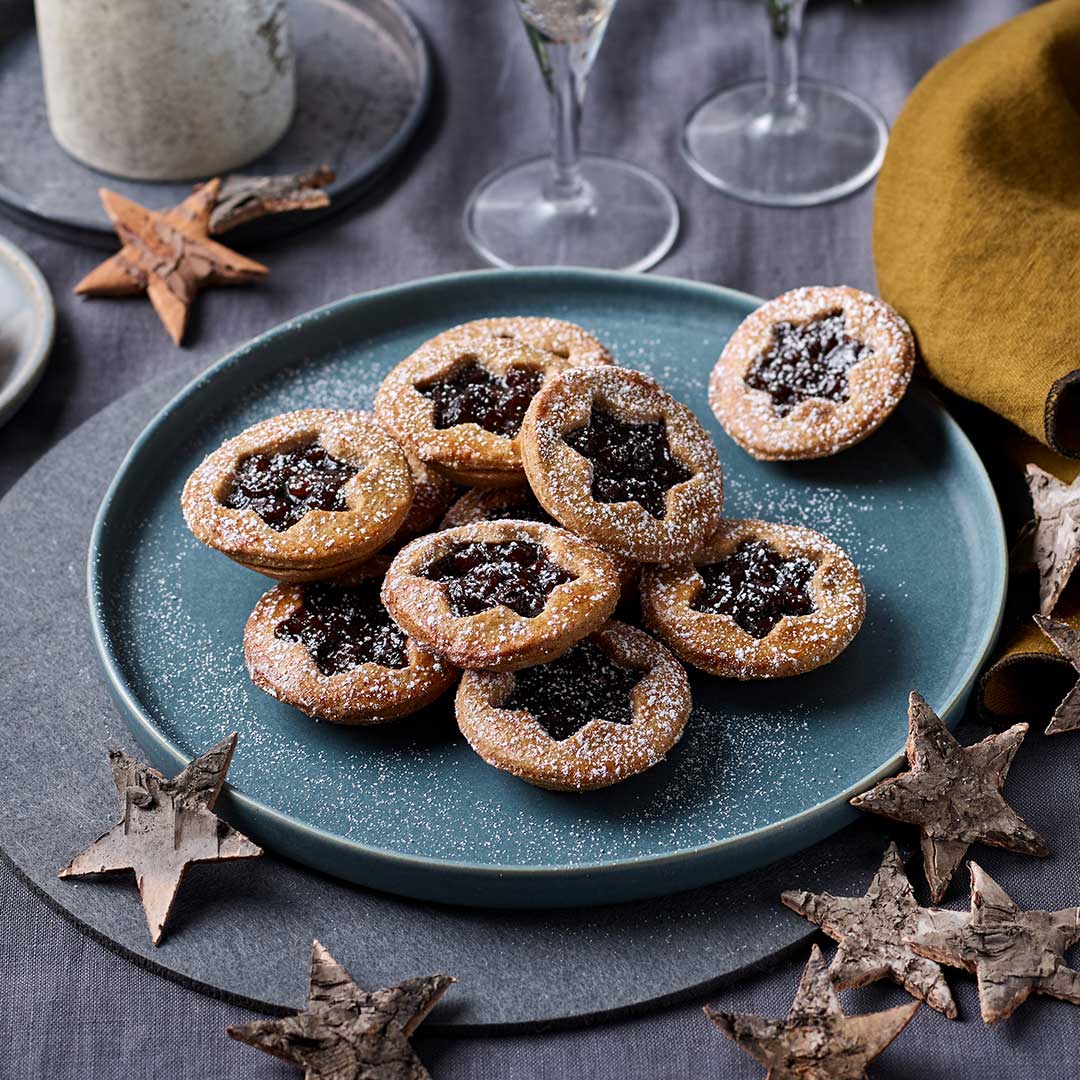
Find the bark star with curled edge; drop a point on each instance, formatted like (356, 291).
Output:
(1054, 536)
(346, 1033)
(817, 1041)
(167, 255)
(166, 826)
(953, 793)
(871, 930)
(1067, 641)
(1013, 953)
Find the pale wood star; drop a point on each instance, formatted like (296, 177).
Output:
(346, 1033)
(168, 255)
(953, 793)
(166, 826)
(871, 929)
(1067, 641)
(1013, 953)
(817, 1041)
(1054, 537)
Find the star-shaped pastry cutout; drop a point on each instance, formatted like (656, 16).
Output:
(168, 255)
(166, 825)
(953, 793)
(817, 1041)
(1067, 640)
(871, 930)
(1054, 536)
(1013, 953)
(346, 1033)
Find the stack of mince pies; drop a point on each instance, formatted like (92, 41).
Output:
(514, 489)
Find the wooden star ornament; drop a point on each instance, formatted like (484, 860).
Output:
(346, 1033)
(166, 825)
(817, 1041)
(1067, 641)
(167, 255)
(953, 793)
(871, 931)
(1013, 953)
(1055, 536)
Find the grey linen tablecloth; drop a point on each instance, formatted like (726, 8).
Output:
(69, 1007)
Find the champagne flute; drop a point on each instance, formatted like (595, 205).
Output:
(782, 140)
(570, 209)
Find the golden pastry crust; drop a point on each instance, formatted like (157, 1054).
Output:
(797, 643)
(368, 694)
(323, 543)
(499, 639)
(815, 427)
(466, 453)
(562, 478)
(565, 339)
(599, 754)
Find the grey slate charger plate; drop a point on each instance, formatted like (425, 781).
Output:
(364, 78)
(244, 932)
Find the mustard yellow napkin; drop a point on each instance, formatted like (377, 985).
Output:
(977, 222)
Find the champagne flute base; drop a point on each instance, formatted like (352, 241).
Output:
(828, 145)
(623, 218)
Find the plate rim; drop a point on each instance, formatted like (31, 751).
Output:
(13, 394)
(146, 729)
(90, 233)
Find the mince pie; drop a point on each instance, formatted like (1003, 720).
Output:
(500, 595)
(302, 496)
(611, 706)
(811, 372)
(330, 649)
(564, 339)
(759, 601)
(616, 459)
(432, 495)
(457, 403)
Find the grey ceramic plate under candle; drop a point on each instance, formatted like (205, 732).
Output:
(765, 769)
(27, 321)
(363, 82)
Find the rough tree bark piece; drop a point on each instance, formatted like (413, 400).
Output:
(1055, 540)
(246, 198)
(169, 256)
(817, 1041)
(346, 1032)
(871, 931)
(953, 793)
(1067, 640)
(1013, 953)
(166, 826)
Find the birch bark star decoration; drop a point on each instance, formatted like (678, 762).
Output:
(1067, 641)
(871, 930)
(818, 1040)
(953, 793)
(166, 825)
(346, 1033)
(167, 255)
(1013, 953)
(1055, 533)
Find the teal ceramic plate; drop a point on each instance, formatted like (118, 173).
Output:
(764, 768)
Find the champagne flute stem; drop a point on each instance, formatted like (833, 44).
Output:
(783, 33)
(566, 85)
